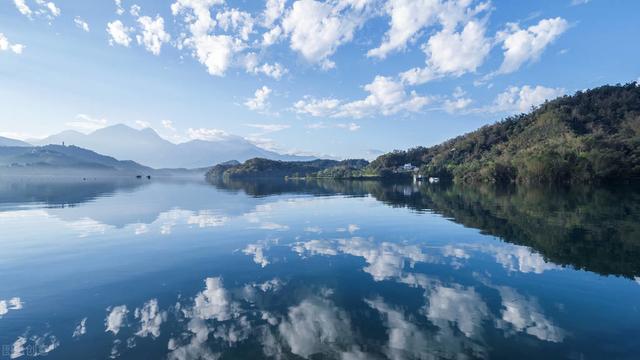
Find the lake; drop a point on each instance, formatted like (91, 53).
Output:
(139, 269)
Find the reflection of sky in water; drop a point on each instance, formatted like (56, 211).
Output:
(186, 271)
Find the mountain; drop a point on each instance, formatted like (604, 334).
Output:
(590, 137)
(147, 147)
(59, 159)
(11, 142)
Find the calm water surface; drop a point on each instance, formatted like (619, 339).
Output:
(316, 270)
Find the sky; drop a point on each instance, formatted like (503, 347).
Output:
(341, 78)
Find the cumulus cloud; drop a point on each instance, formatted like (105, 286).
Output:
(316, 29)
(213, 302)
(45, 9)
(275, 70)
(458, 102)
(462, 306)
(153, 34)
(260, 100)
(524, 315)
(522, 99)
(5, 45)
(315, 326)
(236, 20)
(119, 33)
(87, 123)
(386, 97)
(150, 319)
(408, 17)
(215, 52)
(272, 12)
(22, 7)
(81, 24)
(526, 45)
(34, 345)
(80, 329)
(119, 8)
(116, 319)
(257, 251)
(520, 258)
(316, 107)
(11, 304)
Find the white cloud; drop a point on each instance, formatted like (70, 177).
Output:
(464, 307)
(520, 258)
(116, 319)
(406, 340)
(168, 124)
(213, 302)
(408, 17)
(44, 9)
(53, 9)
(206, 134)
(269, 128)
(260, 100)
(150, 319)
(17, 349)
(80, 329)
(315, 325)
(272, 70)
(216, 52)
(257, 251)
(349, 126)
(87, 123)
(11, 304)
(119, 8)
(579, 2)
(142, 124)
(272, 36)
(119, 33)
(386, 97)
(236, 20)
(81, 24)
(316, 107)
(524, 315)
(525, 45)
(317, 29)
(153, 34)
(458, 103)
(522, 99)
(272, 12)
(135, 10)
(6, 45)
(456, 53)
(22, 7)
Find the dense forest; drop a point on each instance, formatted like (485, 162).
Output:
(264, 168)
(592, 136)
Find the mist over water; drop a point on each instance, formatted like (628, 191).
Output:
(133, 269)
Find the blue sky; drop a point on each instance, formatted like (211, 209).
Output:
(347, 78)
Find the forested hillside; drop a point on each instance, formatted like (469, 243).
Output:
(592, 136)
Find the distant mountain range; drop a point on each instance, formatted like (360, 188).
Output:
(58, 159)
(147, 147)
(11, 142)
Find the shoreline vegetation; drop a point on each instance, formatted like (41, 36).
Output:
(590, 137)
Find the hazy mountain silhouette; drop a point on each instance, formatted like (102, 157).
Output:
(12, 142)
(64, 159)
(145, 146)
